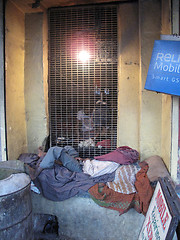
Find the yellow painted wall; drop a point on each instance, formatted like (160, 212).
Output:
(128, 75)
(14, 64)
(150, 102)
(34, 67)
(166, 99)
(26, 80)
(144, 117)
(156, 109)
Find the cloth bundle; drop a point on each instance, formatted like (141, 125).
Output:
(106, 197)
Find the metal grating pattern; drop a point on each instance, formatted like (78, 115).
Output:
(83, 94)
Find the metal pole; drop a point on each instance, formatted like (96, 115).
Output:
(175, 100)
(3, 156)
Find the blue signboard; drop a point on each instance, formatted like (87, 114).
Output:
(164, 69)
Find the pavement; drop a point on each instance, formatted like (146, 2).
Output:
(49, 236)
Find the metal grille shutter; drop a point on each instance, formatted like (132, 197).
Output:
(83, 95)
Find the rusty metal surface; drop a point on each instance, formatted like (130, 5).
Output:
(16, 215)
(5, 172)
(20, 231)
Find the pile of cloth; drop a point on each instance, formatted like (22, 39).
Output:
(117, 180)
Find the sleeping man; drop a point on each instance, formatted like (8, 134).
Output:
(66, 156)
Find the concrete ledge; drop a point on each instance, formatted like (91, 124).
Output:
(81, 218)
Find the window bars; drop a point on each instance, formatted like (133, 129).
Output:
(83, 78)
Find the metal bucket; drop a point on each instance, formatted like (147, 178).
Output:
(15, 206)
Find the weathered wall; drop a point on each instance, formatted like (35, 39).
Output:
(45, 66)
(166, 99)
(36, 120)
(156, 109)
(142, 115)
(150, 102)
(128, 69)
(14, 62)
(26, 80)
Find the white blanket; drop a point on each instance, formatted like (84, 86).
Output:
(97, 168)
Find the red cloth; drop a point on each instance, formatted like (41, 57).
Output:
(122, 155)
(144, 189)
(104, 143)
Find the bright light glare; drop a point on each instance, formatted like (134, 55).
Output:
(84, 56)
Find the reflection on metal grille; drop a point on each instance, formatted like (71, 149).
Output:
(83, 92)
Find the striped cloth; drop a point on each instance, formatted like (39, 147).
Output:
(125, 177)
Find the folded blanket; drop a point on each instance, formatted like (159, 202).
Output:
(122, 155)
(125, 177)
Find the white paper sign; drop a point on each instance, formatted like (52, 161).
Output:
(158, 218)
